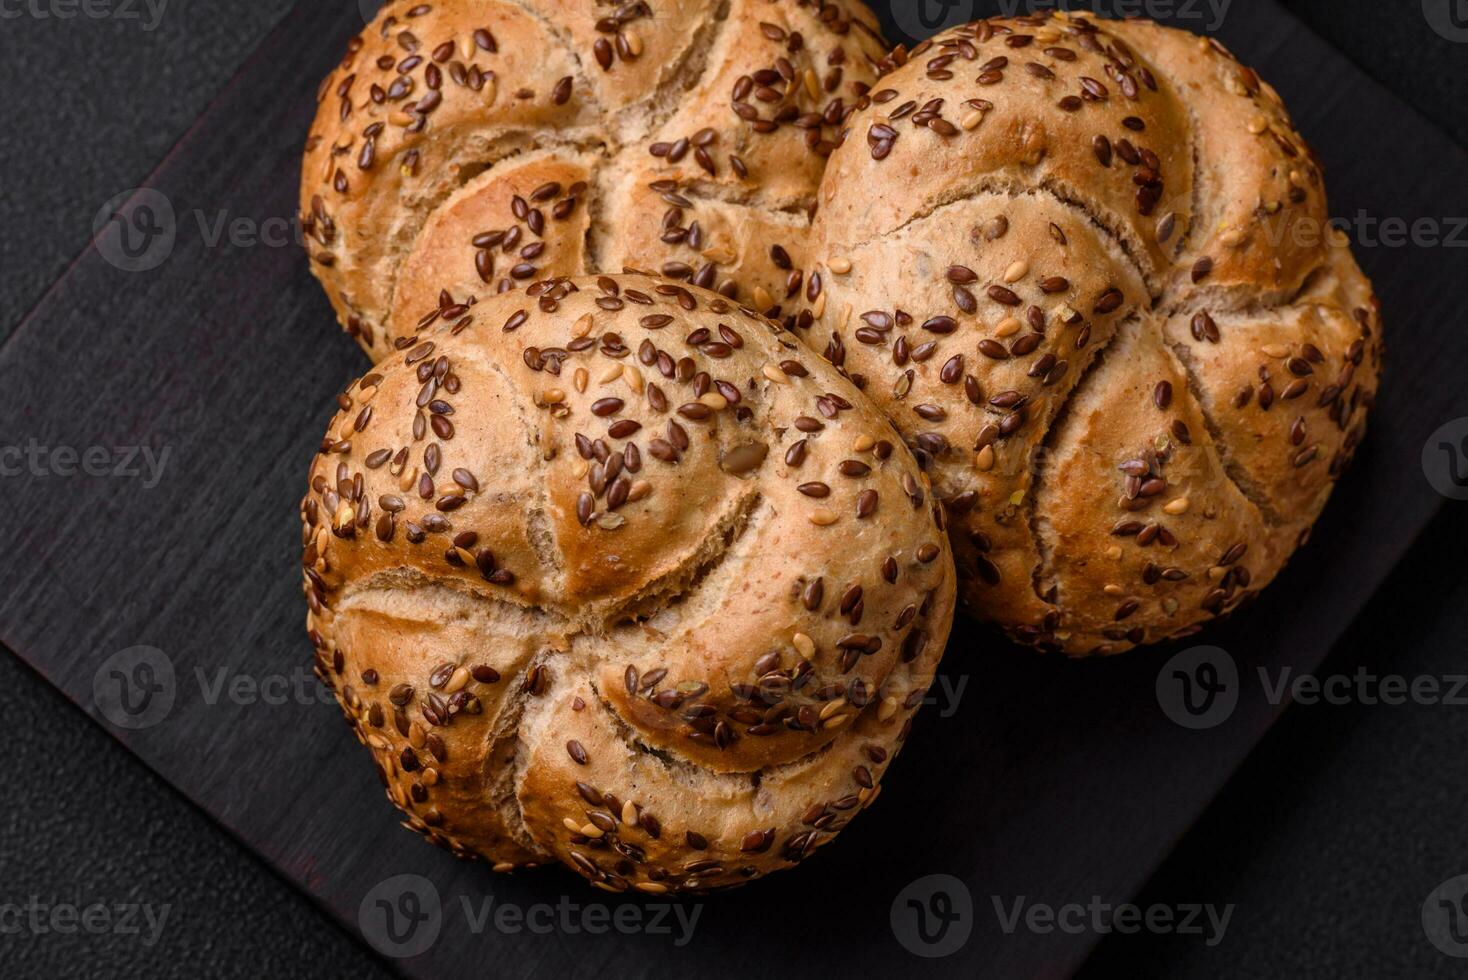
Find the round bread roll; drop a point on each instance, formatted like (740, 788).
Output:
(616, 572)
(478, 145)
(1086, 269)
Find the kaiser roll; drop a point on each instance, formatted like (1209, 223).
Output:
(1085, 267)
(615, 572)
(479, 145)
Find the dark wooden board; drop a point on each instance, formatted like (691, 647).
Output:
(1050, 780)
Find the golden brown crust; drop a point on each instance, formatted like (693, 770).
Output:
(620, 573)
(731, 104)
(1084, 266)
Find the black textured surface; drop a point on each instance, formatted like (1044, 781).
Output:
(1316, 816)
(1344, 819)
(1394, 42)
(124, 94)
(90, 825)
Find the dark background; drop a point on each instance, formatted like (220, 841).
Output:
(1333, 813)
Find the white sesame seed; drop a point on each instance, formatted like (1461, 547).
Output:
(460, 676)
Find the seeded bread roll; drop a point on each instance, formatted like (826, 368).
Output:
(475, 145)
(619, 573)
(1084, 266)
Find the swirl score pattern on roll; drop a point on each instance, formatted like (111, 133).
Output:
(1085, 267)
(472, 146)
(621, 574)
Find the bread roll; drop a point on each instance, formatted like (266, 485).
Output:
(1085, 267)
(617, 573)
(479, 145)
